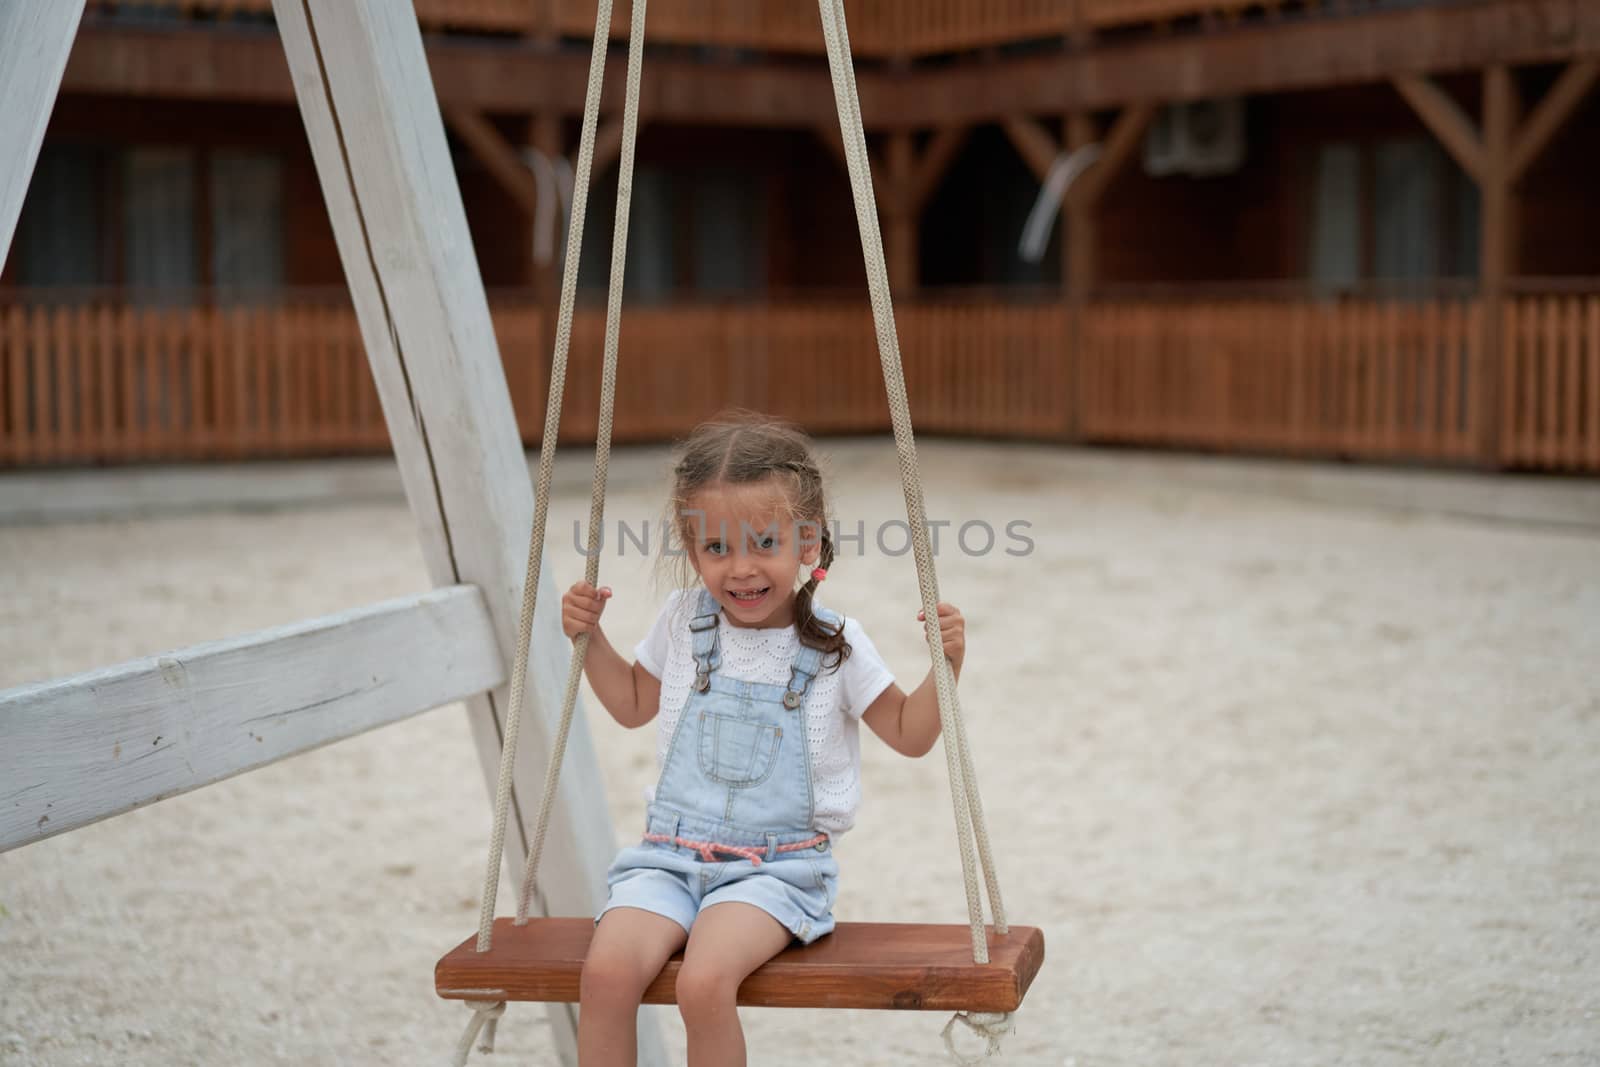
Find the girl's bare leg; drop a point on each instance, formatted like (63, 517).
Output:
(728, 942)
(629, 947)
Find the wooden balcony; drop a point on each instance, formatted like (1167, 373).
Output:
(98, 380)
(878, 28)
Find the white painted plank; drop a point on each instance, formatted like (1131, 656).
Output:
(378, 139)
(85, 748)
(35, 39)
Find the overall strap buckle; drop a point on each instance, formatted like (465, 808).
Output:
(801, 674)
(707, 646)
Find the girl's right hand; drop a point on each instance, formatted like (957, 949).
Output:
(581, 608)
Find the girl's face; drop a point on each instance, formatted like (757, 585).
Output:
(748, 550)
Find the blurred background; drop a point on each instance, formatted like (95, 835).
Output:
(1334, 228)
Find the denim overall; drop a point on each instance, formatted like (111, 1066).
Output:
(732, 816)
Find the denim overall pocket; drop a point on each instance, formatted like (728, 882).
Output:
(737, 752)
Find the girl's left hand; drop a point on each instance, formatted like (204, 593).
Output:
(953, 631)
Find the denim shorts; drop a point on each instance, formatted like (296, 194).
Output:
(795, 888)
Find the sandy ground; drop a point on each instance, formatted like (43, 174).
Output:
(1283, 783)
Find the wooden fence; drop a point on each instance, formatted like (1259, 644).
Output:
(1369, 379)
(1550, 389)
(97, 381)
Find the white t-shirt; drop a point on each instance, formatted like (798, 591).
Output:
(834, 702)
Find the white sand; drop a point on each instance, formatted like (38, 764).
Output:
(1283, 783)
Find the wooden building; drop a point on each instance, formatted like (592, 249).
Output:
(1357, 228)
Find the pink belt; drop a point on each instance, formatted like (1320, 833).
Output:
(707, 849)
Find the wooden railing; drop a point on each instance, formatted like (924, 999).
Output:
(878, 28)
(1550, 389)
(1366, 378)
(98, 381)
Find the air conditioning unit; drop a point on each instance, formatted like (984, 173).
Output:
(1200, 137)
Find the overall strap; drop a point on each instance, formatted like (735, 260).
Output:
(707, 649)
(807, 663)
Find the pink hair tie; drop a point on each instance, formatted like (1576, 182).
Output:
(818, 573)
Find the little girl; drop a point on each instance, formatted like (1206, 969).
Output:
(759, 690)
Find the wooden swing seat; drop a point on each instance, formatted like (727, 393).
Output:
(904, 966)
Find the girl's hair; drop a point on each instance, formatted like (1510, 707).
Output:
(743, 447)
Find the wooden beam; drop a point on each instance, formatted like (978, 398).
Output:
(1357, 48)
(188, 62)
(1127, 133)
(828, 133)
(1361, 47)
(1033, 143)
(378, 140)
(1551, 114)
(35, 40)
(85, 748)
(495, 153)
(1447, 121)
(936, 159)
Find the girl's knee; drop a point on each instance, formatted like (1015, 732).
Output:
(611, 981)
(705, 992)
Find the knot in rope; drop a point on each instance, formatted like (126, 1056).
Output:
(485, 1013)
(991, 1026)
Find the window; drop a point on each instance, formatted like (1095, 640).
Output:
(730, 230)
(1397, 210)
(246, 221)
(135, 217)
(1336, 225)
(59, 234)
(158, 212)
(698, 231)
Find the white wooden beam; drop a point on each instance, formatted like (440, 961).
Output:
(81, 749)
(378, 140)
(35, 39)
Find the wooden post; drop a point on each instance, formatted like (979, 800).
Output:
(544, 134)
(902, 219)
(34, 42)
(378, 139)
(902, 183)
(1039, 150)
(543, 28)
(1078, 250)
(1077, 279)
(1496, 158)
(1497, 254)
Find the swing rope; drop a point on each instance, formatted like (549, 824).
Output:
(970, 823)
(547, 449)
(487, 1013)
